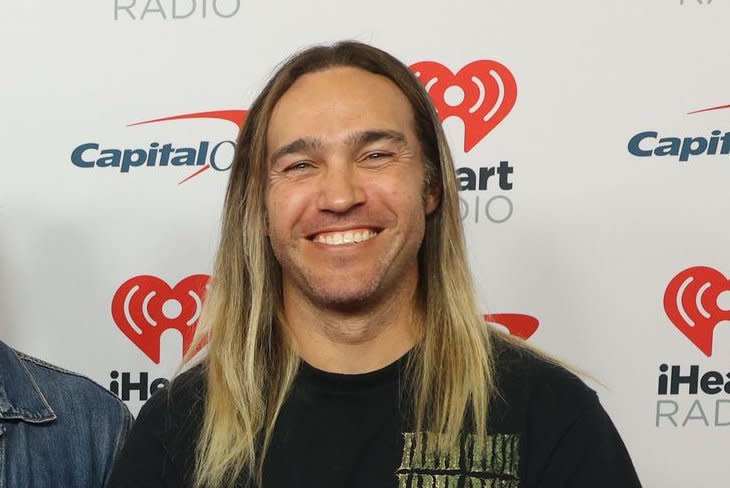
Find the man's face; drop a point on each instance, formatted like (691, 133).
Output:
(345, 197)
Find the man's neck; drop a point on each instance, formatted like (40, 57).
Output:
(352, 343)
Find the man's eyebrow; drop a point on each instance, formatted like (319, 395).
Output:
(358, 139)
(366, 137)
(303, 144)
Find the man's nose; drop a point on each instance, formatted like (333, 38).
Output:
(341, 189)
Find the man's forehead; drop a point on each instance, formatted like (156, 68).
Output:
(338, 103)
(338, 76)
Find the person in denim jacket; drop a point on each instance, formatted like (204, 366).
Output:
(57, 428)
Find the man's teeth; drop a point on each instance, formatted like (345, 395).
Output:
(347, 237)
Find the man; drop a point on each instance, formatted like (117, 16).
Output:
(57, 429)
(345, 348)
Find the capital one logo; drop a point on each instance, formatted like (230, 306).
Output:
(236, 117)
(692, 302)
(481, 94)
(198, 157)
(144, 307)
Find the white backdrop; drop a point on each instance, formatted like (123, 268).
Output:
(594, 237)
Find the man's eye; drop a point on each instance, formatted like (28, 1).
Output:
(299, 166)
(377, 155)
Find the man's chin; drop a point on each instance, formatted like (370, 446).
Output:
(346, 301)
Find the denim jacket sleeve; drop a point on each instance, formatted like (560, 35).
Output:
(57, 428)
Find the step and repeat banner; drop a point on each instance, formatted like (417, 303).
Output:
(592, 145)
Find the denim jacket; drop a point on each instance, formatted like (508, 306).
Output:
(57, 429)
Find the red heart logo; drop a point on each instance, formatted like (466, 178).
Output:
(481, 94)
(691, 303)
(517, 324)
(139, 310)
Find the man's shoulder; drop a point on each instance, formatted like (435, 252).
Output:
(61, 386)
(564, 431)
(172, 417)
(514, 362)
(534, 385)
(184, 391)
(178, 402)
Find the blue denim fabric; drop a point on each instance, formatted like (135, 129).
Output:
(57, 429)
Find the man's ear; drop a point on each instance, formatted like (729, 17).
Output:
(433, 196)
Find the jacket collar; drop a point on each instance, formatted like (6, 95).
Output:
(20, 396)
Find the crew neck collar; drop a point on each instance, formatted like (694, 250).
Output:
(353, 382)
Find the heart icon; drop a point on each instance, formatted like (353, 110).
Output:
(145, 306)
(519, 325)
(691, 303)
(481, 94)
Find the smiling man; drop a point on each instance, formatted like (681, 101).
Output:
(347, 202)
(344, 344)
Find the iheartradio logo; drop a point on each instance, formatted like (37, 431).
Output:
(692, 303)
(481, 94)
(145, 306)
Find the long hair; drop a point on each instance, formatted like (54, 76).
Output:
(249, 366)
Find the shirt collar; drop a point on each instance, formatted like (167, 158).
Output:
(20, 396)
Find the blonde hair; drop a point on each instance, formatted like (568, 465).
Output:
(249, 366)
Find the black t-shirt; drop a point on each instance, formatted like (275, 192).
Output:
(546, 429)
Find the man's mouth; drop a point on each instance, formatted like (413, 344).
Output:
(340, 238)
